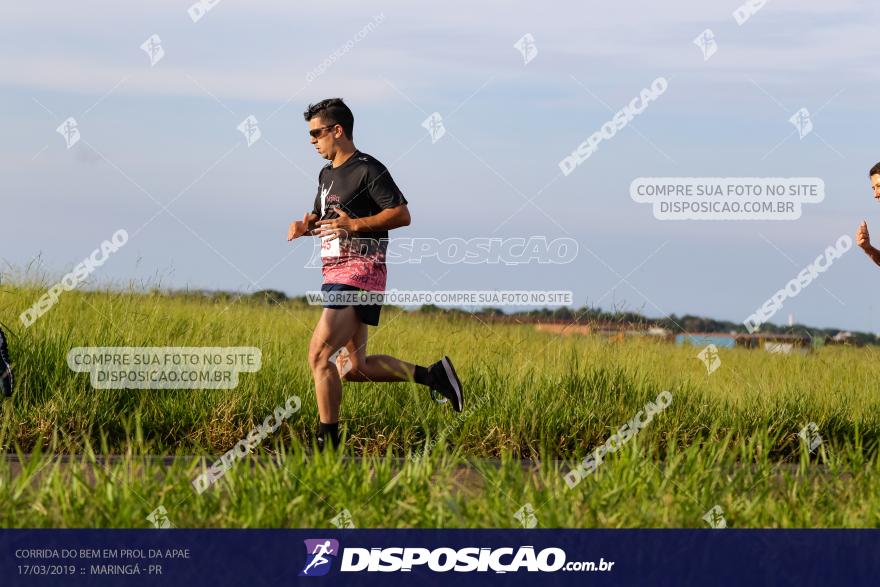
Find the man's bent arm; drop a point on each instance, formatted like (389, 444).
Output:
(313, 223)
(387, 219)
(873, 253)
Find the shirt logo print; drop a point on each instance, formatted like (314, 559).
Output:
(324, 193)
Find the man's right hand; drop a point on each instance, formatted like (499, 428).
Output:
(862, 238)
(300, 227)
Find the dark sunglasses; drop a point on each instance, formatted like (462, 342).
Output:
(316, 132)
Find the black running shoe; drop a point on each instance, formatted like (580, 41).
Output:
(443, 379)
(326, 440)
(5, 367)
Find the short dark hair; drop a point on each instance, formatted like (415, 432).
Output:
(332, 111)
(874, 170)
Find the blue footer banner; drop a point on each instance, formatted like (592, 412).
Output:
(405, 557)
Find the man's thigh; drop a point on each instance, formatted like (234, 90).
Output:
(335, 328)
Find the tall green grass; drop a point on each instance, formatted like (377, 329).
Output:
(728, 439)
(531, 391)
(640, 486)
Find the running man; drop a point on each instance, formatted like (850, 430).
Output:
(356, 205)
(863, 239)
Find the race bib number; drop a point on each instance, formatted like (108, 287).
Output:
(329, 248)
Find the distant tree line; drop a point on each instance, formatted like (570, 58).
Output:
(586, 315)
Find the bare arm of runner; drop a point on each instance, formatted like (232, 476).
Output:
(864, 242)
(387, 219)
(302, 227)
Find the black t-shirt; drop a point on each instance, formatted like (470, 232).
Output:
(362, 187)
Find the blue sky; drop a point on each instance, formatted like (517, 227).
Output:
(168, 132)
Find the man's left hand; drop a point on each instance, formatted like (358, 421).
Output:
(336, 227)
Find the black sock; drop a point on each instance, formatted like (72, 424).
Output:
(421, 375)
(331, 430)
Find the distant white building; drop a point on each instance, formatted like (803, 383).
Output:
(842, 337)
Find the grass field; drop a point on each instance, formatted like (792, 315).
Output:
(536, 403)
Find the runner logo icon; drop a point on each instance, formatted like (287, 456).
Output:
(318, 553)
